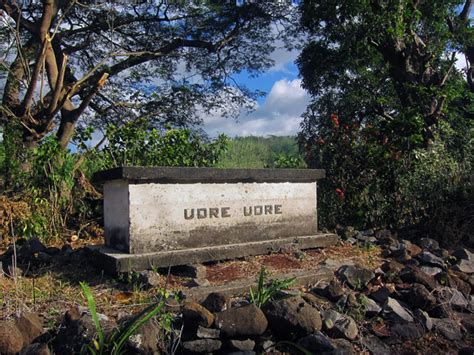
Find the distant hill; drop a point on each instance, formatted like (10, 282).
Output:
(262, 152)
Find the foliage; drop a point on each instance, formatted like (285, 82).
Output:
(136, 144)
(267, 290)
(262, 152)
(115, 343)
(166, 61)
(395, 140)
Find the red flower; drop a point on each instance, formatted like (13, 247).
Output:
(335, 120)
(340, 193)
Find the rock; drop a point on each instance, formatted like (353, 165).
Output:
(448, 328)
(394, 308)
(216, 302)
(452, 297)
(381, 295)
(145, 339)
(420, 297)
(349, 232)
(428, 243)
(371, 307)
(392, 267)
(402, 332)
(466, 351)
(36, 349)
(11, 339)
(199, 283)
(242, 345)
(208, 333)
(356, 278)
(375, 345)
(149, 279)
(466, 266)
(345, 327)
(412, 249)
(428, 258)
(292, 316)
(314, 300)
(316, 342)
(431, 270)
(202, 345)
(30, 326)
(463, 254)
(78, 329)
(343, 347)
(424, 319)
(34, 245)
(339, 325)
(459, 281)
(467, 321)
(195, 315)
(334, 290)
(385, 237)
(242, 321)
(417, 276)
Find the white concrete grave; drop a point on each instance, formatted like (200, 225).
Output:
(172, 216)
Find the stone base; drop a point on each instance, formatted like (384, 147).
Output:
(114, 261)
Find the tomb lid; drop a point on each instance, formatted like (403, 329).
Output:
(172, 175)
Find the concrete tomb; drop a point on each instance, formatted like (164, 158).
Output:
(159, 217)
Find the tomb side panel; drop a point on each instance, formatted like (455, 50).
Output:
(117, 215)
(179, 216)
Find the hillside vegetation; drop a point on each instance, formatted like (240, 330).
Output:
(262, 152)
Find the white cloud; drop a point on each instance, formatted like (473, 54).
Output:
(460, 61)
(279, 114)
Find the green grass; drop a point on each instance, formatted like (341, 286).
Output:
(258, 152)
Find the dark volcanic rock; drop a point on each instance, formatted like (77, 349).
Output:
(292, 316)
(202, 345)
(428, 243)
(208, 333)
(381, 295)
(334, 290)
(216, 302)
(402, 332)
(242, 321)
(339, 325)
(195, 315)
(78, 329)
(375, 345)
(241, 345)
(36, 349)
(451, 296)
(420, 297)
(145, 339)
(395, 309)
(30, 326)
(317, 342)
(428, 258)
(448, 328)
(11, 339)
(355, 277)
(417, 276)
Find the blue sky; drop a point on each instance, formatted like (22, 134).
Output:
(276, 113)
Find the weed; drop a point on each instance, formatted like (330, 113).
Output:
(266, 291)
(115, 343)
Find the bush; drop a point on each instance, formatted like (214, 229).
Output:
(372, 182)
(56, 189)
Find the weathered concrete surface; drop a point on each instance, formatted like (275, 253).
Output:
(174, 175)
(149, 217)
(241, 287)
(113, 261)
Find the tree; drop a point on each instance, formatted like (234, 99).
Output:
(69, 61)
(391, 118)
(401, 53)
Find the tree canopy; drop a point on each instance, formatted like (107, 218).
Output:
(68, 61)
(395, 60)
